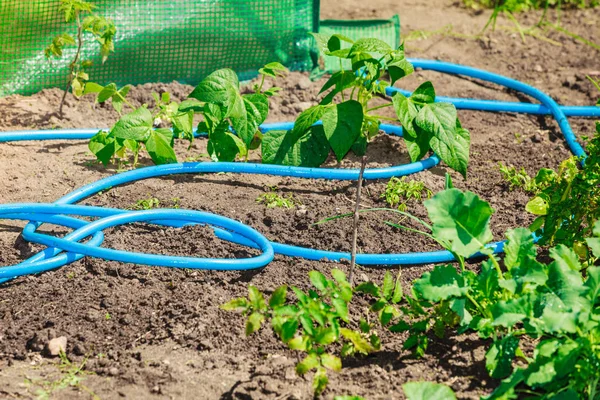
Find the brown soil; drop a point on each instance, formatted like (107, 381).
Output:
(158, 332)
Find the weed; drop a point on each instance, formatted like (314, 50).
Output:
(146, 204)
(518, 179)
(274, 200)
(399, 191)
(71, 375)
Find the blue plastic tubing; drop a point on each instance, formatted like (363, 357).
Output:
(69, 249)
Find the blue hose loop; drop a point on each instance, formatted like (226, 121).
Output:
(112, 217)
(54, 256)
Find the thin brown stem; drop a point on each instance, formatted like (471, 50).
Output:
(356, 217)
(73, 64)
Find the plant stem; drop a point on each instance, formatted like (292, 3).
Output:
(380, 106)
(355, 224)
(73, 64)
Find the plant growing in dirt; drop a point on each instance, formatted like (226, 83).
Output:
(348, 115)
(312, 323)
(518, 179)
(569, 203)
(399, 192)
(217, 99)
(272, 199)
(101, 29)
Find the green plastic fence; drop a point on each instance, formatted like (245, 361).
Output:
(157, 40)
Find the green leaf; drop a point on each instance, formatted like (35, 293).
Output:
(418, 147)
(341, 308)
(331, 362)
(223, 145)
(278, 297)
(119, 98)
(92, 87)
(398, 68)
(222, 88)
(506, 388)
(340, 277)
(159, 146)
(593, 283)
(253, 323)
(567, 284)
(508, 313)
(594, 245)
(256, 298)
(360, 344)
(424, 94)
(103, 145)
(136, 125)
(449, 140)
(406, 111)
(519, 247)
(289, 148)
(107, 92)
(309, 362)
(318, 280)
(326, 336)
(566, 257)
(398, 294)
(191, 104)
(500, 355)
(537, 206)
(460, 220)
(388, 285)
(299, 343)
(427, 391)
(368, 288)
(239, 304)
(273, 69)
(342, 126)
(183, 123)
(320, 382)
(368, 45)
(441, 284)
(288, 330)
(334, 42)
(309, 117)
(257, 109)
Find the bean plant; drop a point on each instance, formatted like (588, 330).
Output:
(344, 121)
(99, 28)
(520, 298)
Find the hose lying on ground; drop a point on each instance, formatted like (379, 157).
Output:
(68, 249)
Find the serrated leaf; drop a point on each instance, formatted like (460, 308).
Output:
(360, 344)
(427, 391)
(341, 307)
(398, 293)
(257, 300)
(388, 285)
(331, 362)
(326, 336)
(318, 280)
(368, 288)
(309, 362)
(278, 297)
(254, 322)
(238, 304)
(288, 330)
(460, 220)
(320, 382)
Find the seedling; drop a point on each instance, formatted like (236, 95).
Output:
(146, 204)
(101, 29)
(274, 200)
(518, 179)
(399, 191)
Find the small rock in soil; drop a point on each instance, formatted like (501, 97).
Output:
(56, 345)
(304, 83)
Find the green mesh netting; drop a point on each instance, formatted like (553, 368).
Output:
(386, 30)
(157, 40)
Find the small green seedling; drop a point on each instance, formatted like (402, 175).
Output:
(274, 200)
(518, 179)
(146, 204)
(399, 191)
(101, 29)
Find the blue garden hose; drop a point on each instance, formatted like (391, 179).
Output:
(68, 249)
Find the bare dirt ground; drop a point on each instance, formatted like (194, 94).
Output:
(158, 333)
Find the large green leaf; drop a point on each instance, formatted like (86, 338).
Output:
(223, 145)
(221, 87)
(406, 111)
(342, 125)
(519, 248)
(308, 149)
(159, 146)
(257, 109)
(103, 145)
(136, 125)
(368, 45)
(460, 220)
(418, 146)
(500, 355)
(449, 140)
(442, 283)
(427, 391)
(308, 117)
(424, 94)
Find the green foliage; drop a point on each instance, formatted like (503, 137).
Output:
(519, 179)
(102, 30)
(427, 391)
(569, 205)
(526, 5)
(399, 191)
(274, 200)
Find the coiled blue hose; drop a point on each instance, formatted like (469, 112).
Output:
(55, 256)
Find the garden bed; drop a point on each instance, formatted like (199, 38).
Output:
(160, 331)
